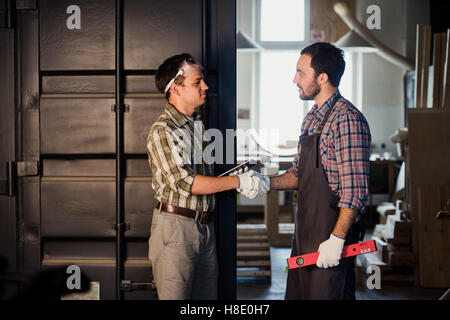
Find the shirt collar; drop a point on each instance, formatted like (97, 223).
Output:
(322, 110)
(179, 118)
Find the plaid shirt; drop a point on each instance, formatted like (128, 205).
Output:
(345, 150)
(173, 164)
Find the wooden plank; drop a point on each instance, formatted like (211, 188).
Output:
(401, 259)
(252, 238)
(253, 263)
(287, 228)
(253, 246)
(252, 255)
(419, 64)
(426, 65)
(271, 213)
(446, 83)
(434, 237)
(382, 249)
(253, 273)
(401, 229)
(389, 274)
(249, 232)
(437, 71)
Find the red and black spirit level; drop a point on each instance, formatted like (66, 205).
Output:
(347, 251)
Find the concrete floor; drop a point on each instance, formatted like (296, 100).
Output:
(248, 289)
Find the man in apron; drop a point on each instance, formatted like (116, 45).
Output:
(331, 173)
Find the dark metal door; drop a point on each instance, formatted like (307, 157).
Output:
(87, 101)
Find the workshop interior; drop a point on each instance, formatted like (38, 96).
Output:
(78, 97)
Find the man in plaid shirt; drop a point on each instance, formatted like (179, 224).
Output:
(182, 241)
(331, 174)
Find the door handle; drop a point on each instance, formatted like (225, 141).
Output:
(445, 212)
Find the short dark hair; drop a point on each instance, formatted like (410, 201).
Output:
(326, 58)
(169, 68)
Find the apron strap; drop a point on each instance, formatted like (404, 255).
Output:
(327, 115)
(320, 128)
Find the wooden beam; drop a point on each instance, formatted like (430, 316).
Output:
(442, 73)
(426, 65)
(324, 18)
(437, 71)
(384, 51)
(446, 83)
(419, 64)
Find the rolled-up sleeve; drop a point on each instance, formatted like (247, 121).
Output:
(164, 149)
(294, 168)
(352, 146)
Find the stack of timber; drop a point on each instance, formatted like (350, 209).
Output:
(394, 255)
(253, 252)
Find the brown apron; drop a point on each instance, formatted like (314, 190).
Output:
(315, 220)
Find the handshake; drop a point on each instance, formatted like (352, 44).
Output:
(252, 184)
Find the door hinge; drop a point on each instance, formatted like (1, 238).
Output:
(124, 107)
(17, 169)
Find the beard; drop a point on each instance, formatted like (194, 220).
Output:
(313, 91)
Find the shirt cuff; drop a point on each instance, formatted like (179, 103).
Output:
(185, 185)
(350, 202)
(294, 170)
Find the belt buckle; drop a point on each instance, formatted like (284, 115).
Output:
(197, 215)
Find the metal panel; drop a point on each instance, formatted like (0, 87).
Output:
(78, 167)
(138, 167)
(90, 248)
(77, 126)
(78, 84)
(157, 30)
(143, 113)
(89, 48)
(77, 208)
(7, 147)
(140, 84)
(139, 205)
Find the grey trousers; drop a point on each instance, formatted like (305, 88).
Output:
(184, 258)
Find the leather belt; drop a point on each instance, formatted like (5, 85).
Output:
(202, 217)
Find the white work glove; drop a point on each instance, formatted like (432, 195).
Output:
(238, 172)
(261, 183)
(245, 181)
(252, 184)
(330, 252)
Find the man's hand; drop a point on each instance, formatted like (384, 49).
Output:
(253, 184)
(239, 172)
(330, 252)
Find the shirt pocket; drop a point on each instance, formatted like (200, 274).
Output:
(325, 145)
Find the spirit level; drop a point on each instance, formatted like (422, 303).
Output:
(347, 251)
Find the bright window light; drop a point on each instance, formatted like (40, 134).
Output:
(346, 85)
(281, 109)
(282, 20)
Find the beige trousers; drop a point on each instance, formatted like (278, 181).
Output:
(184, 258)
